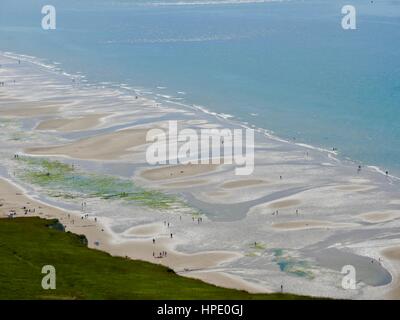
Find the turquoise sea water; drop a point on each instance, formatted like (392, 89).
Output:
(285, 66)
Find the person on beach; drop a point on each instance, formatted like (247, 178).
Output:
(171, 236)
(154, 241)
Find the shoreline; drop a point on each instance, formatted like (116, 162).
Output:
(306, 180)
(55, 69)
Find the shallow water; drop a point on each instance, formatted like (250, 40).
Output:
(368, 270)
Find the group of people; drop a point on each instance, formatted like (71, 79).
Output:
(199, 220)
(13, 213)
(276, 212)
(26, 210)
(162, 254)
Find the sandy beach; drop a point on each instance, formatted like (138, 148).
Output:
(393, 255)
(309, 224)
(299, 218)
(14, 200)
(241, 183)
(178, 171)
(105, 147)
(71, 124)
(28, 111)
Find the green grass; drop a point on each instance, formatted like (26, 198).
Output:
(27, 244)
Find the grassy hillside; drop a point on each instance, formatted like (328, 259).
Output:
(27, 244)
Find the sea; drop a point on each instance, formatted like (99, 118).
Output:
(285, 66)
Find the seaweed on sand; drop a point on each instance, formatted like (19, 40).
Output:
(292, 265)
(64, 180)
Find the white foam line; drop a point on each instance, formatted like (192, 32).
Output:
(268, 133)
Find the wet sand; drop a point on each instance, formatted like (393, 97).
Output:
(29, 111)
(377, 217)
(103, 147)
(393, 255)
(178, 171)
(71, 124)
(225, 280)
(310, 224)
(242, 183)
(285, 203)
(189, 183)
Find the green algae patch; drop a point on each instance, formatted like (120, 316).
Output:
(61, 180)
(258, 246)
(292, 265)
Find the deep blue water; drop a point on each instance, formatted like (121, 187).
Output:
(290, 64)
